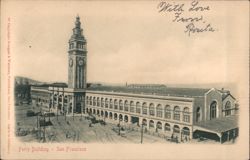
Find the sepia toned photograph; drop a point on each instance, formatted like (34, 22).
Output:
(124, 80)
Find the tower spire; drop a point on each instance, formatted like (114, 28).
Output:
(77, 23)
(77, 30)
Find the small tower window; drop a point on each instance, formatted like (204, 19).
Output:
(71, 45)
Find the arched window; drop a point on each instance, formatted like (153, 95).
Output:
(144, 122)
(102, 102)
(116, 103)
(126, 105)
(110, 115)
(159, 125)
(106, 114)
(186, 115)
(159, 111)
(151, 109)
(106, 103)
(120, 105)
(120, 117)
(138, 107)
(94, 101)
(213, 108)
(115, 116)
(177, 113)
(186, 131)
(167, 127)
(65, 99)
(132, 107)
(90, 100)
(144, 108)
(228, 108)
(125, 118)
(87, 100)
(98, 101)
(110, 103)
(60, 98)
(151, 124)
(198, 114)
(167, 112)
(55, 98)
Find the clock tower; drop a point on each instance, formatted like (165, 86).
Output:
(77, 56)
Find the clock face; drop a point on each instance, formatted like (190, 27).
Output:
(71, 62)
(80, 62)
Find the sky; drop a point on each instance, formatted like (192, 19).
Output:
(128, 42)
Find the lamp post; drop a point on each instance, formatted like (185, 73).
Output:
(44, 128)
(119, 126)
(57, 111)
(81, 109)
(105, 116)
(37, 121)
(37, 125)
(49, 109)
(73, 107)
(181, 135)
(142, 125)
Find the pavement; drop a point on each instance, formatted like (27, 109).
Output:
(77, 130)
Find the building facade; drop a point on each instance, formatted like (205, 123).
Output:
(182, 112)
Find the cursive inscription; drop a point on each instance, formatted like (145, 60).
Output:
(191, 15)
(191, 28)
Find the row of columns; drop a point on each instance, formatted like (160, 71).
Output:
(155, 128)
(72, 100)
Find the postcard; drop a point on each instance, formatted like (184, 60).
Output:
(124, 79)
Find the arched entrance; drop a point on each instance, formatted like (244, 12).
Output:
(176, 129)
(158, 126)
(120, 117)
(151, 124)
(167, 127)
(126, 118)
(115, 116)
(106, 114)
(186, 131)
(110, 115)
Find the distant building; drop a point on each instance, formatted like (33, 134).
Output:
(184, 113)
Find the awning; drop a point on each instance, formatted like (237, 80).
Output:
(218, 125)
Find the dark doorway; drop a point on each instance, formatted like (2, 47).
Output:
(135, 119)
(205, 135)
(78, 108)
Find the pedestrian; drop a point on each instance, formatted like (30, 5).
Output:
(172, 136)
(177, 139)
